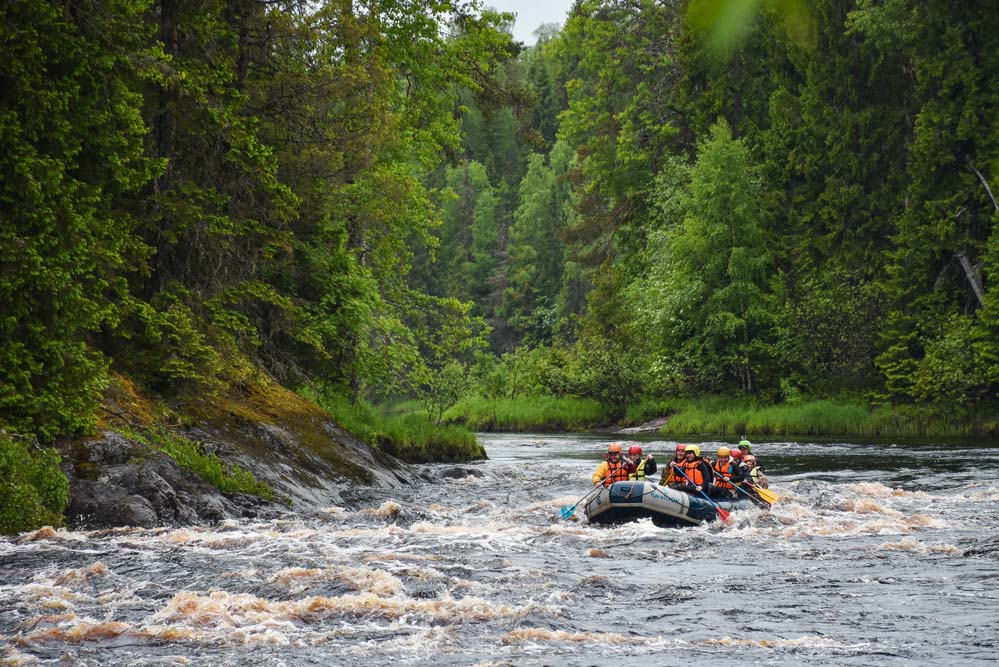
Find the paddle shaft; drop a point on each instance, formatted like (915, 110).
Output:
(739, 488)
(570, 509)
(722, 514)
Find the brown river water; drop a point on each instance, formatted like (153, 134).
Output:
(877, 554)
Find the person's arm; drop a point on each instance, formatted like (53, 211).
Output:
(650, 465)
(602, 470)
(708, 473)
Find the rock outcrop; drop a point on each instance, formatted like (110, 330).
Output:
(284, 440)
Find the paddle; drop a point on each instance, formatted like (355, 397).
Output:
(766, 494)
(722, 514)
(568, 510)
(747, 493)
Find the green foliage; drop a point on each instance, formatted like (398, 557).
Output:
(945, 233)
(33, 490)
(707, 298)
(71, 140)
(729, 417)
(648, 409)
(529, 413)
(410, 435)
(226, 477)
(534, 272)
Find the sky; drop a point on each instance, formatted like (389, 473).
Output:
(531, 14)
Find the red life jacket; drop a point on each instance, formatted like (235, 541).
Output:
(726, 470)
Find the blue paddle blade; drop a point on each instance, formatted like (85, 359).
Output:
(567, 511)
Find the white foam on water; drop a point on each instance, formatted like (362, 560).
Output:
(915, 546)
(11, 657)
(376, 581)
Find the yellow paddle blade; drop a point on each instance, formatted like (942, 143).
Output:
(767, 495)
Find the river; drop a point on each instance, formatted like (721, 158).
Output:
(875, 555)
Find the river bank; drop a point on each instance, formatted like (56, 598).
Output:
(724, 417)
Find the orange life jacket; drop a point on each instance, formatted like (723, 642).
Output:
(618, 474)
(692, 470)
(671, 476)
(725, 470)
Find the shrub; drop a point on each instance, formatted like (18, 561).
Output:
(33, 490)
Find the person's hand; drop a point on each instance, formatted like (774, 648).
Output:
(698, 488)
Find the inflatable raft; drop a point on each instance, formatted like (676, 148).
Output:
(668, 508)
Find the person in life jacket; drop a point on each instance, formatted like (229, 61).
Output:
(697, 470)
(670, 475)
(756, 476)
(727, 475)
(614, 467)
(643, 465)
(747, 484)
(746, 448)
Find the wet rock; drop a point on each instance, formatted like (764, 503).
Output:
(985, 548)
(651, 426)
(150, 491)
(97, 504)
(111, 449)
(460, 473)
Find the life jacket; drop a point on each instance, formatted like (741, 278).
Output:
(670, 476)
(727, 470)
(692, 470)
(616, 474)
(639, 473)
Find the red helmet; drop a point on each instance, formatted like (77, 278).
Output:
(634, 450)
(681, 447)
(736, 454)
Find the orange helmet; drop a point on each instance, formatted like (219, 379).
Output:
(614, 447)
(634, 450)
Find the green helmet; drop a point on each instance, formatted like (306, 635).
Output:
(745, 443)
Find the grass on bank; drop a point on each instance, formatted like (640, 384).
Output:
(537, 413)
(406, 433)
(226, 477)
(820, 417)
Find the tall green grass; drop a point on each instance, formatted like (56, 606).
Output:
(719, 416)
(537, 413)
(407, 433)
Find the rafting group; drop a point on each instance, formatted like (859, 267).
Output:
(688, 471)
(690, 490)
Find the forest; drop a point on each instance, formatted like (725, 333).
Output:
(362, 200)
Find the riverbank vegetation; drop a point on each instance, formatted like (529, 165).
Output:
(409, 434)
(226, 477)
(33, 490)
(529, 413)
(723, 416)
(782, 203)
